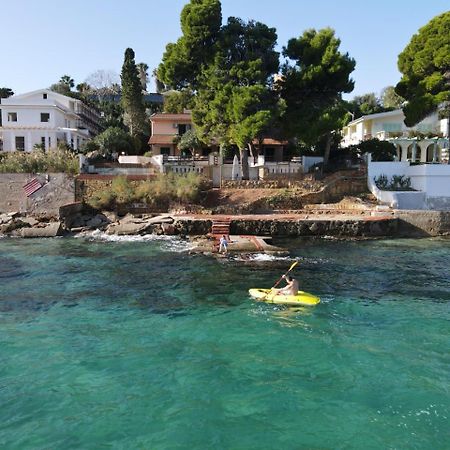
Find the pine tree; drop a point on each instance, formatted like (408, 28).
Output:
(132, 99)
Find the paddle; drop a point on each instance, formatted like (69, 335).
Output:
(279, 281)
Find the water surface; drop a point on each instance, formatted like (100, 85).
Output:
(133, 343)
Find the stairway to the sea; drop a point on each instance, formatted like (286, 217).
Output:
(220, 227)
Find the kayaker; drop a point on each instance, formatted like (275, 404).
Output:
(223, 244)
(291, 287)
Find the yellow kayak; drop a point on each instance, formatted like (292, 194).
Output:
(267, 295)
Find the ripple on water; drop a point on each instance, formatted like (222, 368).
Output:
(135, 344)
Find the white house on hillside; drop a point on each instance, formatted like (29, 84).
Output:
(422, 154)
(45, 117)
(431, 147)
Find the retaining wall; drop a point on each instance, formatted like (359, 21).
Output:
(58, 189)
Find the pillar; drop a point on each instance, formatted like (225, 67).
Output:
(423, 151)
(403, 151)
(435, 158)
(414, 152)
(12, 144)
(29, 144)
(47, 144)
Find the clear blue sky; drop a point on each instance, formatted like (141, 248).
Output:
(45, 39)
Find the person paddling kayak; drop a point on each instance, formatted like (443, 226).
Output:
(291, 287)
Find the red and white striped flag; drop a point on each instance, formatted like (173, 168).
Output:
(32, 186)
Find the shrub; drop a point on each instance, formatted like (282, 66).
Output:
(159, 192)
(122, 190)
(381, 182)
(397, 183)
(400, 182)
(103, 199)
(380, 150)
(55, 160)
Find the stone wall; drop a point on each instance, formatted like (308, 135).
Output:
(293, 228)
(273, 183)
(423, 223)
(316, 227)
(58, 189)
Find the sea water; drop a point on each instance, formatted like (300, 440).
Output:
(124, 343)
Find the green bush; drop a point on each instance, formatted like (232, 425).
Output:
(159, 192)
(55, 160)
(397, 183)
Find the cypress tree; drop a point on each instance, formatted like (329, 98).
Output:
(132, 99)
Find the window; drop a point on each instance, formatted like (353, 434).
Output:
(45, 117)
(392, 127)
(20, 143)
(44, 96)
(12, 117)
(165, 151)
(425, 127)
(182, 128)
(49, 142)
(43, 141)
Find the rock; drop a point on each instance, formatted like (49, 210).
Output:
(30, 221)
(5, 218)
(111, 216)
(51, 230)
(168, 229)
(75, 222)
(94, 222)
(124, 228)
(15, 224)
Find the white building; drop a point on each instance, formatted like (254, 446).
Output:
(424, 142)
(45, 117)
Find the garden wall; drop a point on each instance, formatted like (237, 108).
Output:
(57, 190)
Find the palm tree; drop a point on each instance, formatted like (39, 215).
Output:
(68, 81)
(6, 92)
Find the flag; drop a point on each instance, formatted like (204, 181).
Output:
(32, 186)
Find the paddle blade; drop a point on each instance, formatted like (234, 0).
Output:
(292, 266)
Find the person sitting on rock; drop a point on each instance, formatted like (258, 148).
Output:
(291, 287)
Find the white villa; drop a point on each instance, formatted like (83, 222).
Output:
(45, 118)
(422, 157)
(430, 148)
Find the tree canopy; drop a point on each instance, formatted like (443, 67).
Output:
(425, 68)
(183, 60)
(132, 99)
(230, 69)
(112, 140)
(6, 92)
(64, 86)
(390, 99)
(380, 150)
(312, 85)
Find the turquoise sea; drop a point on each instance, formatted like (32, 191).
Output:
(133, 343)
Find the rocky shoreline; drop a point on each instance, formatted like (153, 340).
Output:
(75, 219)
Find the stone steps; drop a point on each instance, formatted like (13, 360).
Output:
(220, 227)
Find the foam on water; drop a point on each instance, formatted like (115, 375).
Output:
(170, 243)
(266, 257)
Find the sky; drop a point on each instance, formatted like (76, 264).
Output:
(45, 39)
